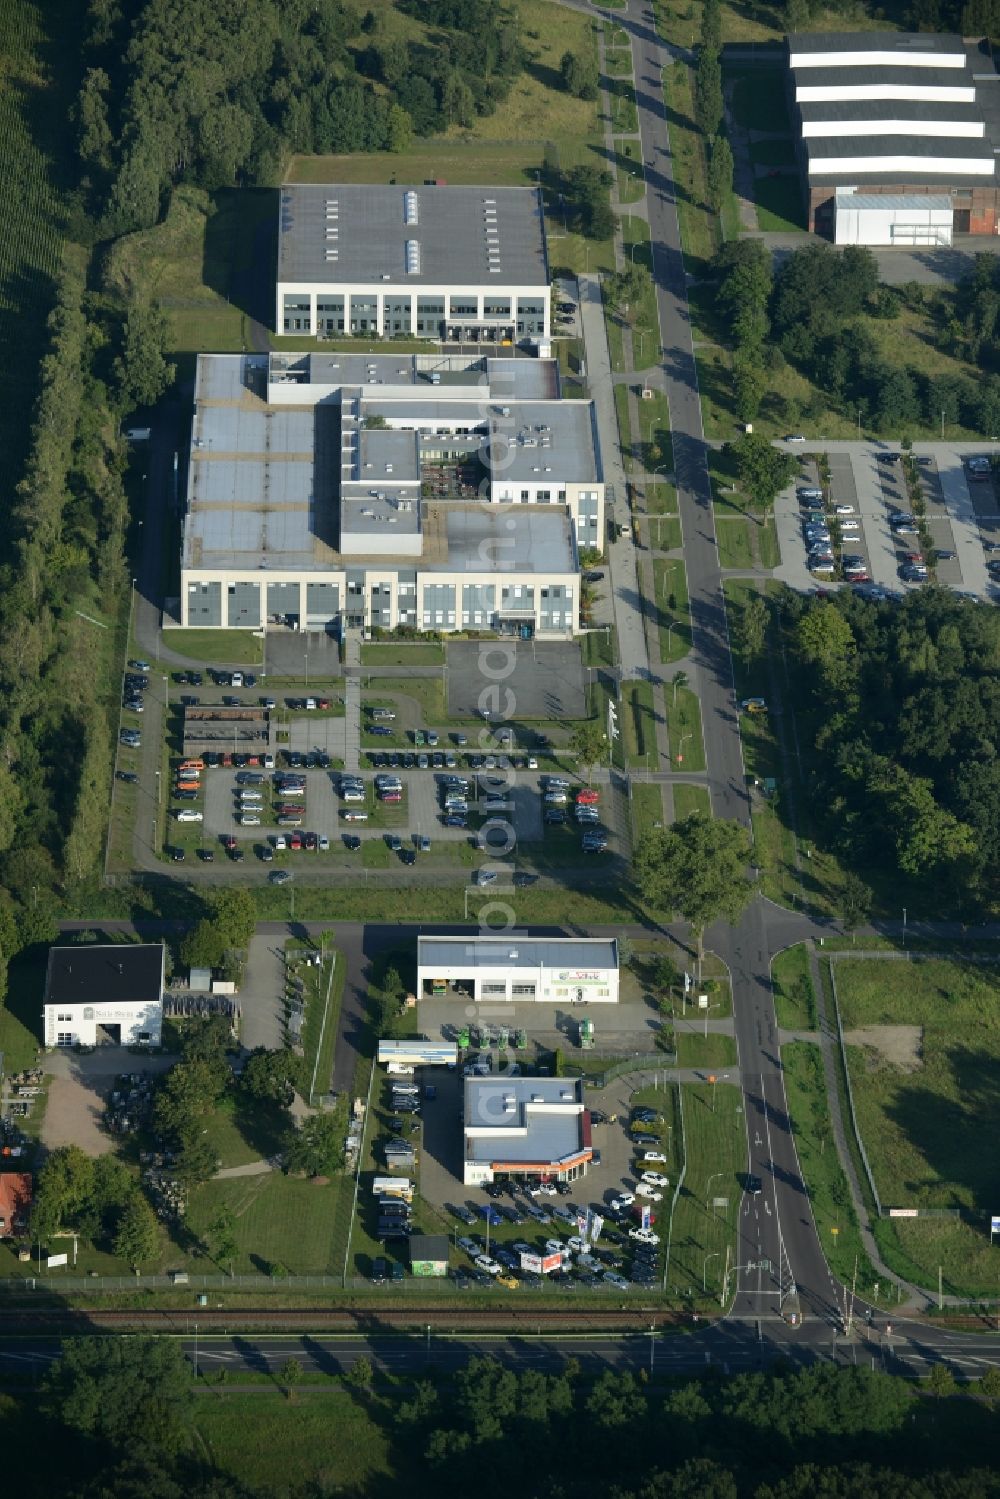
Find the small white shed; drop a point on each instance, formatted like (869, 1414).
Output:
(905, 221)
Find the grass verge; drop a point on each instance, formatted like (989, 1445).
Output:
(684, 727)
(672, 606)
(794, 996)
(689, 798)
(639, 725)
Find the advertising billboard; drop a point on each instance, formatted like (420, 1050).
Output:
(541, 1264)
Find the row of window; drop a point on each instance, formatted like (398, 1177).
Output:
(360, 312)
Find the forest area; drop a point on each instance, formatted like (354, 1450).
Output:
(900, 708)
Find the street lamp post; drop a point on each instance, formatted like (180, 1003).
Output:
(704, 1270)
(904, 926)
(680, 747)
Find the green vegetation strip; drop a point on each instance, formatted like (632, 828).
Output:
(826, 1184)
(684, 723)
(639, 725)
(688, 799)
(695, 1049)
(794, 996)
(672, 609)
(647, 807)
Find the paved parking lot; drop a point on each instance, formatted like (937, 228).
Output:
(421, 811)
(962, 514)
(301, 654)
(543, 679)
(440, 1172)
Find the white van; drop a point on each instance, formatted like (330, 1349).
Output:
(400, 1069)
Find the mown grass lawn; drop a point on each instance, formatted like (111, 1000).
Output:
(794, 997)
(922, 1120)
(402, 653)
(232, 647)
(684, 725)
(733, 538)
(327, 1436)
(639, 725)
(689, 798)
(715, 1140)
(671, 590)
(647, 808)
(695, 1049)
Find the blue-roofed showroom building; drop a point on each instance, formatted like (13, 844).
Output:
(897, 136)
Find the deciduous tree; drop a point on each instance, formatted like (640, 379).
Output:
(698, 867)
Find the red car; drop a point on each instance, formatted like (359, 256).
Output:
(587, 798)
(323, 702)
(295, 840)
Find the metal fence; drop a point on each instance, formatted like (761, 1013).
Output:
(648, 1061)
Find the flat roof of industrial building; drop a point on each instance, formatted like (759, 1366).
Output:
(467, 237)
(106, 973)
(522, 952)
(527, 1119)
(266, 487)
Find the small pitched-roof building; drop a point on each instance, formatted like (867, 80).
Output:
(105, 994)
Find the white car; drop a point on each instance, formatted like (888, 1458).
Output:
(643, 1236)
(795, 437)
(554, 1246)
(652, 1155)
(576, 1244)
(623, 1201)
(532, 763)
(547, 1189)
(188, 816)
(249, 820)
(850, 527)
(654, 1178)
(492, 1267)
(844, 509)
(651, 1194)
(324, 842)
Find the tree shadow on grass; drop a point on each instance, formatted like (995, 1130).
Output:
(948, 1130)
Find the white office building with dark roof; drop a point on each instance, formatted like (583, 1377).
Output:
(453, 264)
(105, 994)
(344, 492)
(898, 135)
(525, 970)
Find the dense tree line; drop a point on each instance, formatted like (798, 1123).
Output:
(822, 315)
(116, 1417)
(63, 539)
(905, 703)
(220, 91)
(745, 285)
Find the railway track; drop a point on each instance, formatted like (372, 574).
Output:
(371, 1321)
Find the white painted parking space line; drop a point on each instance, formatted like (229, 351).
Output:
(965, 526)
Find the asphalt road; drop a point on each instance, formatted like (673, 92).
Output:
(729, 1347)
(777, 1246)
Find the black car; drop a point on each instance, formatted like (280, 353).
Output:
(380, 1272)
(407, 855)
(188, 700)
(352, 842)
(206, 855)
(493, 1189)
(178, 855)
(563, 1188)
(128, 776)
(752, 1184)
(237, 855)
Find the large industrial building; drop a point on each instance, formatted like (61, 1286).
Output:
(525, 1126)
(897, 136)
(452, 264)
(346, 492)
(523, 970)
(104, 995)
